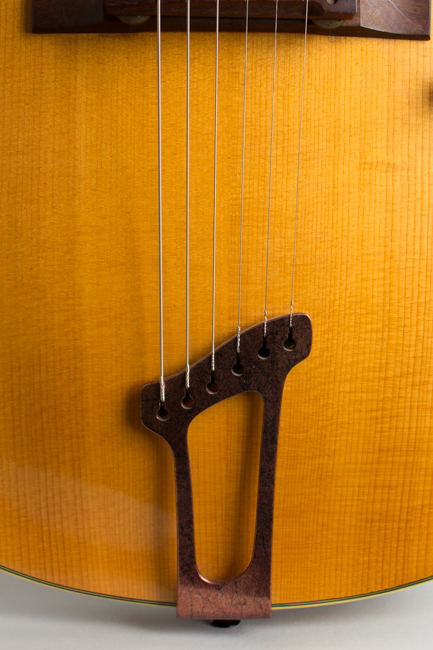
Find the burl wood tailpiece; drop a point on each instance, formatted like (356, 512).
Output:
(374, 18)
(248, 595)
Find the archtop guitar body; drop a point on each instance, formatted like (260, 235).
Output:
(87, 498)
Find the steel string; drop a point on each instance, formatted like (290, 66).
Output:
(188, 68)
(238, 346)
(215, 185)
(299, 165)
(161, 296)
(270, 173)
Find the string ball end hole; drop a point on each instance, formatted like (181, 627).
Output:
(290, 343)
(188, 401)
(238, 369)
(162, 413)
(212, 387)
(264, 353)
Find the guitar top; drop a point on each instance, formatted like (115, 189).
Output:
(87, 494)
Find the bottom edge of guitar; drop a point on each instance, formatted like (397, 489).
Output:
(295, 605)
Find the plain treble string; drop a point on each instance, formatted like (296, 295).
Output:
(238, 365)
(290, 343)
(270, 180)
(215, 191)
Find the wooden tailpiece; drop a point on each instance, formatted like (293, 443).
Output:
(248, 595)
(375, 18)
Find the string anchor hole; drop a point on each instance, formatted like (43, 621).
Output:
(212, 386)
(162, 413)
(238, 368)
(290, 343)
(264, 352)
(188, 401)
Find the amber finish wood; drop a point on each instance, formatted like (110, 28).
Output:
(87, 495)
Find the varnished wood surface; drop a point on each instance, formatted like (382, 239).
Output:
(87, 494)
(381, 18)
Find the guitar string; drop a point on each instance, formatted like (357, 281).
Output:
(188, 66)
(161, 315)
(238, 346)
(215, 185)
(299, 166)
(270, 173)
(187, 381)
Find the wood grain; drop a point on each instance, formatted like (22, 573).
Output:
(87, 496)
